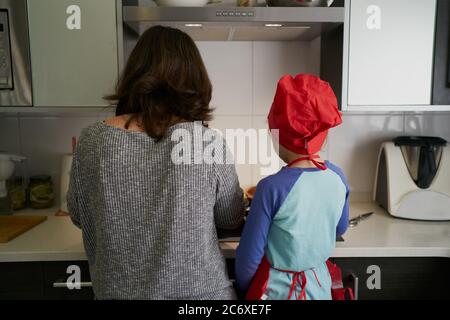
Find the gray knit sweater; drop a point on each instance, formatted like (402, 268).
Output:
(148, 224)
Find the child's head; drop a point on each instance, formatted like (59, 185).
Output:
(303, 110)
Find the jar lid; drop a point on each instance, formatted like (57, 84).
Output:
(40, 178)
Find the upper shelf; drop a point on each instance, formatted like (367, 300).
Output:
(219, 23)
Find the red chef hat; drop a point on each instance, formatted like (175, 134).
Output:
(303, 110)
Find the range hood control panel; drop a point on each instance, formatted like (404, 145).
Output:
(243, 14)
(6, 79)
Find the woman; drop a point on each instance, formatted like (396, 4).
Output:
(149, 221)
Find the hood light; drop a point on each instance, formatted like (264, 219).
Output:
(273, 25)
(193, 25)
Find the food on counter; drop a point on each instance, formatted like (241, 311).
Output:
(250, 192)
(17, 193)
(40, 190)
(248, 196)
(61, 213)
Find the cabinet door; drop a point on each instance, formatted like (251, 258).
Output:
(73, 51)
(398, 278)
(391, 52)
(21, 280)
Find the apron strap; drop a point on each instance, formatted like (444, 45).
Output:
(298, 277)
(295, 280)
(320, 165)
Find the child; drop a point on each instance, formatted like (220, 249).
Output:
(296, 213)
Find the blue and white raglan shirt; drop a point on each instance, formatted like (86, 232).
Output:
(294, 219)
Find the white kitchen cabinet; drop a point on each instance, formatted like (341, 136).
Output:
(390, 53)
(74, 51)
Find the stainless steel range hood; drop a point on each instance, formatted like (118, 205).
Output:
(222, 23)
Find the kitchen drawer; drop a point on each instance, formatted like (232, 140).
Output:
(22, 280)
(400, 278)
(34, 280)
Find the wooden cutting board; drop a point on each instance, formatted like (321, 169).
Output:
(13, 226)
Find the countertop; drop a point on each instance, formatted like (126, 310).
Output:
(381, 235)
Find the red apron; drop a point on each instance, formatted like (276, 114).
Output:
(259, 283)
(258, 286)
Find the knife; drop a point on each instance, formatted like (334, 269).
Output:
(354, 222)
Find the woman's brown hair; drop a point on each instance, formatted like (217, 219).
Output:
(164, 82)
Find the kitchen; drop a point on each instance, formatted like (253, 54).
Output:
(389, 68)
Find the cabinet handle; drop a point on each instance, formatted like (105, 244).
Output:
(64, 284)
(355, 288)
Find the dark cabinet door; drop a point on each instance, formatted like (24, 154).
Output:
(441, 77)
(398, 278)
(21, 280)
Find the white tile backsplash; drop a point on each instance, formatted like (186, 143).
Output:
(10, 135)
(230, 74)
(437, 124)
(354, 146)
(272, 60)
(46, 139)
(222, 123)
(270, 163)
(244, 81)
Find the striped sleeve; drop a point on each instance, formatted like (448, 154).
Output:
(229, 207)
(74, 193)
(342, 225)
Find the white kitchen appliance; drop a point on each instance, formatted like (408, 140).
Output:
(413, 178)
(6, 171)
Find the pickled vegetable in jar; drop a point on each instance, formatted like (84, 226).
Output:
(40, 190)
(17, 193)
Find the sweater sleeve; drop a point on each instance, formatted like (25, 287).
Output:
(251, 248)
(74, 194)
(229, 208)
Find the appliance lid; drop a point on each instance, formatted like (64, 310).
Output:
(225, 23)
(422, 156)
(414, 141)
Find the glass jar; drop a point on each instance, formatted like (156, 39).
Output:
(40, 191)
(17, 193)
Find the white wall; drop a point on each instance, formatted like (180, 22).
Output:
(244, 76)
